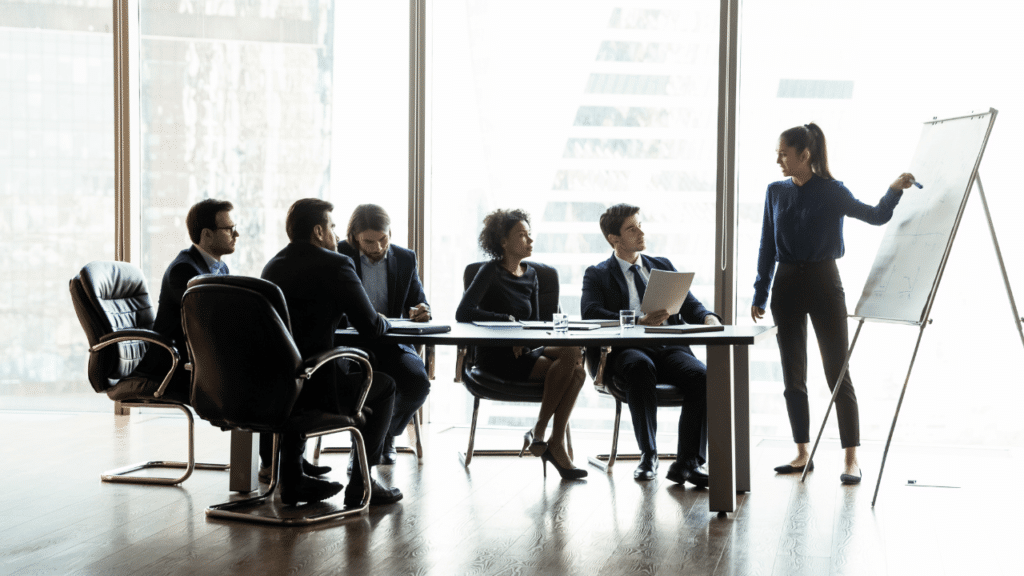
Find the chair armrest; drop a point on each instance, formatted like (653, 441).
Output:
(602, 364)
(459, 361)
(144, 335)
(313, 363)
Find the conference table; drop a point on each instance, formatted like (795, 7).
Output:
(728, 389)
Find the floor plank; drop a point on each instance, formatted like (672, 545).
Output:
(501, 516)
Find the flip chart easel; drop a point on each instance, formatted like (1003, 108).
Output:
(907, 270)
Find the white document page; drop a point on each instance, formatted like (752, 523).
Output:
(666, 291)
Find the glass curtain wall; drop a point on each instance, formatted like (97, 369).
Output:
(869, 73)
(564, 109)
(56, 192)
(236, 102)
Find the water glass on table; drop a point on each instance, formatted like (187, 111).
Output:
(627, 320)
(560, 322)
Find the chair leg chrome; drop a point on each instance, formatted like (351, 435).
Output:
(229, 510)
(121, 475)
(467, 456)
(606, 461)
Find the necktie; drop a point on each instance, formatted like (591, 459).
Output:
(218, 269)
(638, 281)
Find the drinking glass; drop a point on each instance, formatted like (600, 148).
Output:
(627, 319)
(561, 323)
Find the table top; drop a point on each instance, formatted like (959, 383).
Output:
(464, 333)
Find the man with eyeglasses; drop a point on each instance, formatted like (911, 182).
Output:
(213, 235)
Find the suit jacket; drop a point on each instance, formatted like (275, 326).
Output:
(605, 293)
(320, 288)
(188, 264)
(404, 287)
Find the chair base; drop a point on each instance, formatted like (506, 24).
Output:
(121, 475)
(417, 449)
(467, 456)
(606, 461)
(233, 510)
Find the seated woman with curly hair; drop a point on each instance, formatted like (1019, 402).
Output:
(505, 288)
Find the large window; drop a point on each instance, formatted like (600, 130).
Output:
(236, 104)
(563, 109)
(869, 73)
(56, 193)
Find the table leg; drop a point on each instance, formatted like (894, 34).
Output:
(721, 434)
(245, 461)
(741, 419)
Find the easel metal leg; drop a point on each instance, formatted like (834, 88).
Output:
(999, 256)
(835, 392)
(897, 414)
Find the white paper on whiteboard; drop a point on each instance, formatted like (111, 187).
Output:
(666, 291)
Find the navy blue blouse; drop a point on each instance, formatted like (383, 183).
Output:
(805, 224)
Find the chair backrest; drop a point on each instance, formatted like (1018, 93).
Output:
(547, 279)
(245, 364)
(109, 296)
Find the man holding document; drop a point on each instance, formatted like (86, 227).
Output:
(620, 283)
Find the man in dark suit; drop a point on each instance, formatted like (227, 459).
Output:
(321, 286)
(391, 280)
(618, 284)
(213, 235)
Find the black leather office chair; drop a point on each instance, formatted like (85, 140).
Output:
(113, 306)
(247, 373)
(610, 384)
(482, 384)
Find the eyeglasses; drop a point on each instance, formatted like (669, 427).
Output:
(230, 228)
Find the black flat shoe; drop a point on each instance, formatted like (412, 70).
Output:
(390, 454)
(850, 478)
(648, 467)
(680, 472)
(379, 495)
(790, 469)
(307, 489)
(565, 473)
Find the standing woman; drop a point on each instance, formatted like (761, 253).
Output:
(506, 289)
(803, 231)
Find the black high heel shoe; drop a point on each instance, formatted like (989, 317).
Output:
(536, 447)
(565, 473)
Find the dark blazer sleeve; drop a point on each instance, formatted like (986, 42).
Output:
(469, 308)
(414, 290)
(593, 303)
(352, 299)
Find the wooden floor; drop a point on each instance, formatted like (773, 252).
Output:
(501, 516)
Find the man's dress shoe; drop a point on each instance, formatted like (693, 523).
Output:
(648, 467)
(680, 472)
(379, 495)
(307, 489)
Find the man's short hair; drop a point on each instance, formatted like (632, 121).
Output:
(367, 217)
(304, 215)
(203, 215)
(612, 219)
